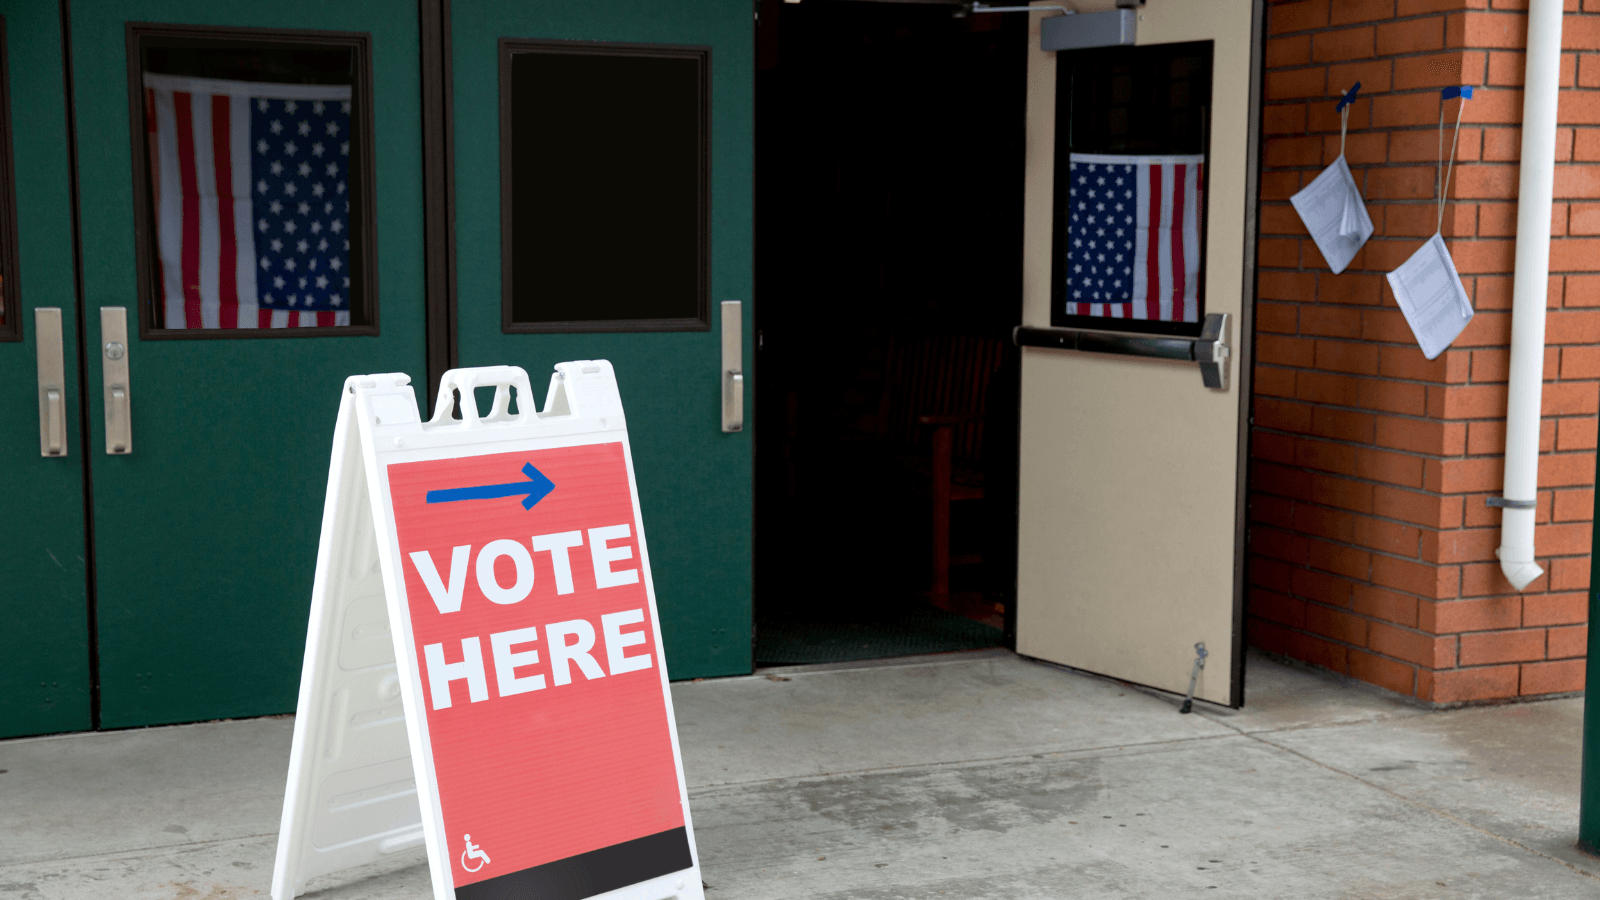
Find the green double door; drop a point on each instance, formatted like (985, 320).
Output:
(348, 209)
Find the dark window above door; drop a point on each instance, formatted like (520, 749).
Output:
(604, 154)
(253, 181)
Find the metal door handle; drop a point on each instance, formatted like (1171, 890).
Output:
(114, 372)
(52, 381)
(732, 366)
(55, 427)
(733, 416)
(118, 440)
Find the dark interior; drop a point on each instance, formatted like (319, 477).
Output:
(889, 189)
(248, 61)
(1152, 99)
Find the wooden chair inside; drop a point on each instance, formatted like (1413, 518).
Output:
(931, 417)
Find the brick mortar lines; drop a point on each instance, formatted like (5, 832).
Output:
(1555, 418)
(1452, 638)
(1419, 669)
(1452, 645)
(1485, 149)
(1423, 489)
(1379, 551)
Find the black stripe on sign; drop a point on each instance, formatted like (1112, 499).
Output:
(588, 874)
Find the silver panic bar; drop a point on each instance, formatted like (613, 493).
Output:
(1210, 349)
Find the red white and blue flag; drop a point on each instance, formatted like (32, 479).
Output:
(1133, 237)
(251, 187)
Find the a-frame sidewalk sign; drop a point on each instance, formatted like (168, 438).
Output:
(483, 670)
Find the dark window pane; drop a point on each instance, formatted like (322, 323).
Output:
(255, 184)
(605, 177)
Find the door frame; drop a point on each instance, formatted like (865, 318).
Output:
(438, 194)
(1245, 347)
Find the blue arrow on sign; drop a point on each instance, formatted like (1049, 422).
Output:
(537, 487)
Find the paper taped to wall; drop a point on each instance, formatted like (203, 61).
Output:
(1430, 294)
(1334, 212)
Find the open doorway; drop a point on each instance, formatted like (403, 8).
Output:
(889, 189)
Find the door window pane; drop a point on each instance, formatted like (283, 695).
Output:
(603, 179)
(257, 185)
(1130, 188)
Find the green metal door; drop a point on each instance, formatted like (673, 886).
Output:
(205, 534)
(45, 683)
(694, 479)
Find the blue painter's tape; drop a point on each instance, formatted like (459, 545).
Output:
(1348, 98)
(1464, 92)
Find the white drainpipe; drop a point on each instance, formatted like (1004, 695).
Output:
(1529, 289)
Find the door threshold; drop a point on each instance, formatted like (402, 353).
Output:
(126, 730)
(922, 659)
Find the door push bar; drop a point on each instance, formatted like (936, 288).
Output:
(1210, 349)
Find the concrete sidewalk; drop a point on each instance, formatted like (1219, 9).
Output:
(964, 776)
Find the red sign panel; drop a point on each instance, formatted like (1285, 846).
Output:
(541, 671)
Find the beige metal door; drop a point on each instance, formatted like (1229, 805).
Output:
(1131, 516)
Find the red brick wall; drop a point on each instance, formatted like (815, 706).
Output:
(1372, 552)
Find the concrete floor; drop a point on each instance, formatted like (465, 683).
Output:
(965, 776)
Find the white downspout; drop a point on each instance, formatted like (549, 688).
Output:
(1529, 289)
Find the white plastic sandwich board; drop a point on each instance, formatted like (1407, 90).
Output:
(483, 670)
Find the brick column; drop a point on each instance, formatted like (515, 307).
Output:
(1372, 551)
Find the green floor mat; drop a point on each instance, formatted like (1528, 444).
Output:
(902, 632)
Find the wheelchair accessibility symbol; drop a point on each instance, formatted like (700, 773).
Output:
(473, 851)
